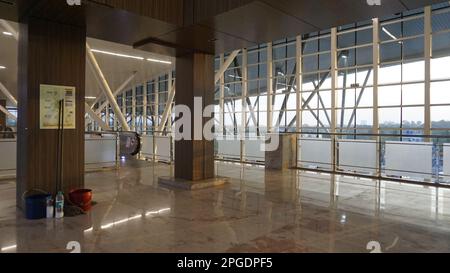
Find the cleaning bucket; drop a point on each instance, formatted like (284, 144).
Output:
(36, 206)
(81, 198)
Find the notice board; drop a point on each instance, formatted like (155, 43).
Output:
(50, 97)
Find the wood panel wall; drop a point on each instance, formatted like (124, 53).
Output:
(49, 53)
(170, 11)
(205, 9)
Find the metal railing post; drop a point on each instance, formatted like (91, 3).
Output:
(154, 147)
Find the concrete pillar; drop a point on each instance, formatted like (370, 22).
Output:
(285, 156)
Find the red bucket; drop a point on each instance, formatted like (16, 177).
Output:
(81, 198)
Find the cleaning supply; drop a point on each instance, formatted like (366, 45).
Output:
(81, 198)
(50, 207)
(35, 206)
(59, 210)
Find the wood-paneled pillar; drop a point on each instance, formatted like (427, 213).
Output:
(194, 159)
(50, 53)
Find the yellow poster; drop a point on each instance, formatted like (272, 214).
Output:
(50, 97)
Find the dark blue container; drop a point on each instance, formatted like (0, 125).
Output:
(36, 206)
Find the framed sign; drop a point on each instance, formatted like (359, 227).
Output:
(50, 96)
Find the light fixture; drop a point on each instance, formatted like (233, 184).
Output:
(2, 67)
(7, 33)
(129, 56)
(117, 54)
(90, 98)
(158, 61)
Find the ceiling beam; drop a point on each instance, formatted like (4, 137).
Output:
(4, 110)
(96, 118)
(9, 28)
(225, 66)
(116, 92)
(112, 100)
(8, 94)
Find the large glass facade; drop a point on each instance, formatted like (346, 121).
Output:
(407, 89)
(375, 82)
(142, 106)
(401, 86)
(405, 93)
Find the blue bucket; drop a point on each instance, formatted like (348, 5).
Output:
(36, 206)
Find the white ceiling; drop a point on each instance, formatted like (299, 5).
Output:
(116, 69)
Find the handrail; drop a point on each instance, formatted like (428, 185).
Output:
(86, 133)
(96, 166)
(346, 134)
(155, 131)
(366, 134)
(101, 133)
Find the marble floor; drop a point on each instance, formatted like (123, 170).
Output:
(258, 211)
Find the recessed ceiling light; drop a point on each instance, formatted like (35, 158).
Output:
(129, 56)
(2, 67)
(7, 33)
(117, 54)
(158, 61)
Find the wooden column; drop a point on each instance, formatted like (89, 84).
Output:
(194, 159)
(49, 53)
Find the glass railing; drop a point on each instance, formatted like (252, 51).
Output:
(157, 146)
(410, 158)
(241, 149)
(413, 158)
(101, 152)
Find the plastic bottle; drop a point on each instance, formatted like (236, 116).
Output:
(50, 207)
(59, 205)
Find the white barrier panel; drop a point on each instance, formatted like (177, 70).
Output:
(163, 148)
(100, 150)
(147, 146)
(253, 149)
(8, 158)
(315, 153)
(447, 160)
(358, 155)
(409, 159)
(229, 148)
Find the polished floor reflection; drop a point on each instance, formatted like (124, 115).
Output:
(259, 211)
